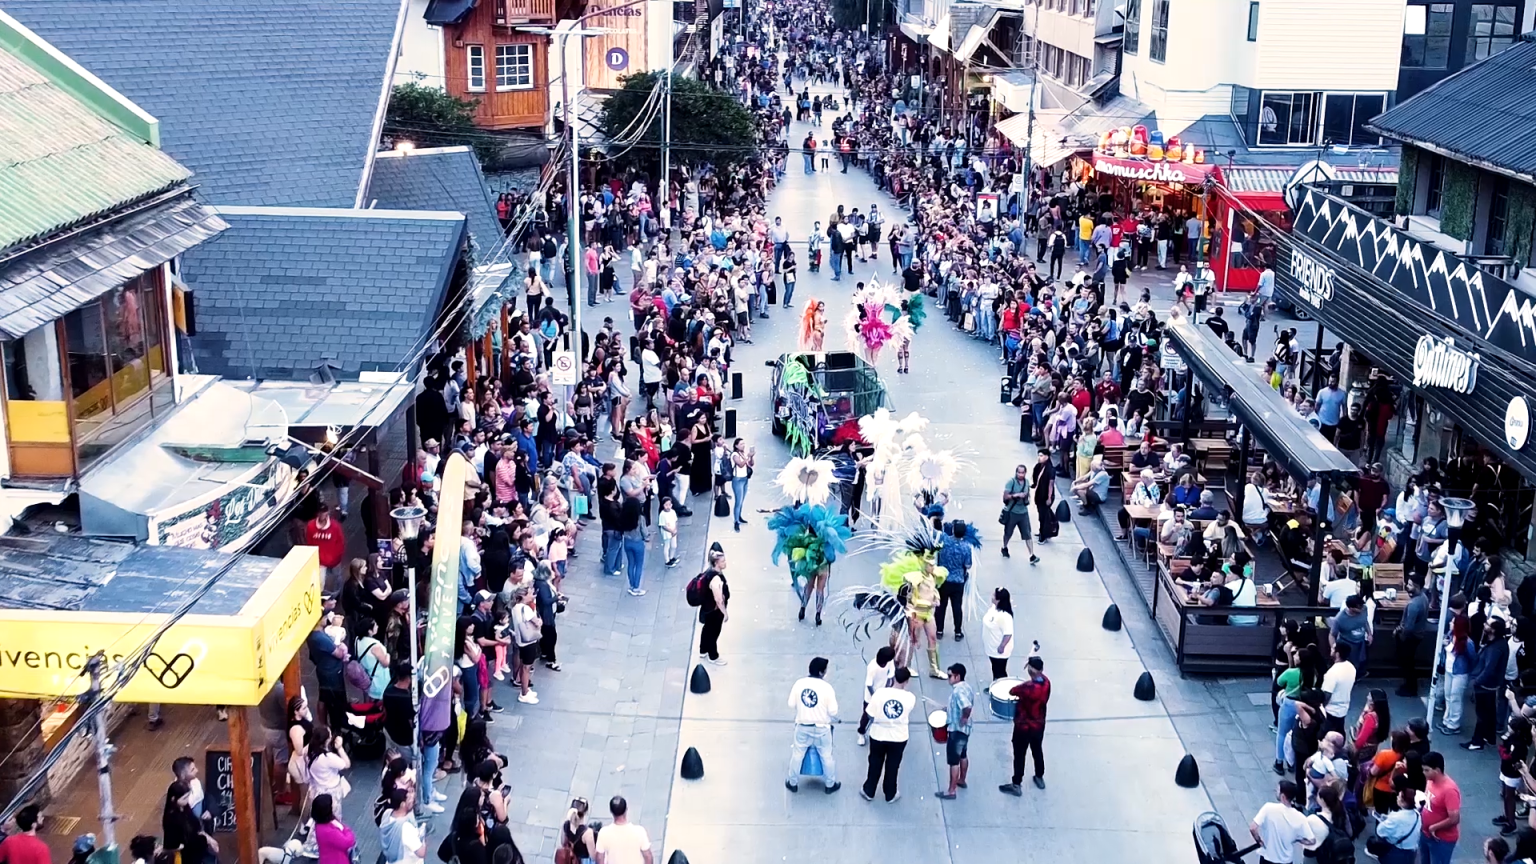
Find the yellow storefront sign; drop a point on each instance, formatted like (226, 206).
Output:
(201, 660)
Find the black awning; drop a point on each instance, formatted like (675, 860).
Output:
(443, 12)
(60, 277)
(1279, 429)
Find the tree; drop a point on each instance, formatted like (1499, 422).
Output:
(708, 125)
(431, 117)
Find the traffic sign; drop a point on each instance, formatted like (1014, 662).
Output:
(563, 370)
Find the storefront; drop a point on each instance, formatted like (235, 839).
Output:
(1461, 341)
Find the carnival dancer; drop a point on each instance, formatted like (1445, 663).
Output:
(813, 326)
(809, 533)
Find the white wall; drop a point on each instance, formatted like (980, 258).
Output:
(1328, 45)
(421, 50)
(1068, 32)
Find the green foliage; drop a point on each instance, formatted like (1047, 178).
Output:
(1407, 180)
(1522, 220)
(430, 117)
(1459, 201)
(707, 124)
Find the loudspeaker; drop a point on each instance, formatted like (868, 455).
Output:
(730, 423)
(736, 385)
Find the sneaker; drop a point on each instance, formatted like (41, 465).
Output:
(1013, 789)
(944, 796)
(1034, 559)
(438, 796)
(552, 666)
(959, 637)
(833, 788)
(1473, 745)
(637, 592)
(862, 794)
(939, 633)
(894, 798)
(672, 563)
(434, 807)
(718, 661)
(529, 698)
(154, 724)
(791, 787)
(500, 675)
(1039, 782)
(494, 707)
(863, 740)
(1005, 552)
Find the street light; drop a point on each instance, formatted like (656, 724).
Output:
(1456, 510)
(408, 522)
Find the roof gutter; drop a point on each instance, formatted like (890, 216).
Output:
(1452, 154)
(390, 64)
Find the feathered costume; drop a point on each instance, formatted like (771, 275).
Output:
(809, 534)
(913, 483)
(802, 401)
(881, 315)
(813, 326)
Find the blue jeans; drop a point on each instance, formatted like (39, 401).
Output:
(634, 558)
(789, 292)
(807, 737)
(810, 163)
(1432, 851)
(739, 493)
(613, 544)
(778, 253)
(470, 678)
(837, 265)
(547, 270)
(1284, 727)
(592, 289)
(429, 756)
(1082, 251)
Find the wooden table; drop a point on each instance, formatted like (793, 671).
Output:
(1208, 445)
(1138, 513)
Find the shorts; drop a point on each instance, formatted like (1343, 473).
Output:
(955, 748)
(1511, 782)
(741, 319)
(528, 654)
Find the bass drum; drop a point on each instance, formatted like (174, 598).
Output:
(1004, 704)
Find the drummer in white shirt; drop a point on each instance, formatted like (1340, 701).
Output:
(880, 672)
(815, 705)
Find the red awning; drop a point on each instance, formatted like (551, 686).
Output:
(1154, 172)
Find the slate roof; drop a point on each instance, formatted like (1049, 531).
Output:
(269, 102)
(285, 288)
(1483, 113)
(441, 178)
(63, 163)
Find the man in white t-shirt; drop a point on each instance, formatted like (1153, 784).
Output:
(815, 705)
(880, 672)
(1279, 826)
(622, 842)
(890, 709)
(1338, 684)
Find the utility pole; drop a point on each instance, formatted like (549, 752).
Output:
(666, 145)
(104, 751)
(573, 196)
(1027, 59)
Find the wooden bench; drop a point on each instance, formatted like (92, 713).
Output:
(1387, 576)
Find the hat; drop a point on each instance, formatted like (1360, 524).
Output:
(484, 596)
(85, 844)
(399, 597)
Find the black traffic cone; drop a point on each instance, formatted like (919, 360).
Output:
(1112, 617)
(677, 857)
(1063, 511)
(1188, 774)
(699, 683)
(1085, 560)
(693, 765)
(1146, 689)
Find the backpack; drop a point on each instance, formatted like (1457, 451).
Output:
(1337, 847)
(356, 677)
(697, 588)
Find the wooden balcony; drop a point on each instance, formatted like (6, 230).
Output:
(508, 13)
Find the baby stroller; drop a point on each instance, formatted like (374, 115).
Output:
(1214, 844)
(365, 717)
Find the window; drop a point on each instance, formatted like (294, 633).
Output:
(1159, 50)
(1427, 36)
(1240, 110)
(475, 57)
(1345, 116)
(514, 67)
(1498, 218)
(1436, 197)
(1491, 31)
(1132, 42)
(1253, 21)
(1287, 118)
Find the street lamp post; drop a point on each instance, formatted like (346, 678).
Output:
(1456, 510)
(408, 521)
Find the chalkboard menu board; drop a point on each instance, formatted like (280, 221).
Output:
(219, 789)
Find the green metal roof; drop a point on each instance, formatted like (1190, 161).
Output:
(61, 163)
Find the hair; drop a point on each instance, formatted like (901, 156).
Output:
(1434, 760)
(1498, 847)
(818, 667)
(142, 847)
(319, 740)
(885, 655)
(1383, 711)
(26, 817)
(1419, 726)
(1035, 663)
(618, 806)
(1329, 796)
(958, 669)
(1003, 599)
(181, 765)
(903, 674)
(1290, 790)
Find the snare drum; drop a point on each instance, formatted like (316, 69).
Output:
(1004, 704)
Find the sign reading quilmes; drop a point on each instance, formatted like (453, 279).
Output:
(1314, 279)
(1437, 362)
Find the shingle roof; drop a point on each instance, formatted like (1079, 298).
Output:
(443, 178)
(285, 288)
(1485, 112)
(267, 101)
(61, 163)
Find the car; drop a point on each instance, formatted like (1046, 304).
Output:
(813, 393)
